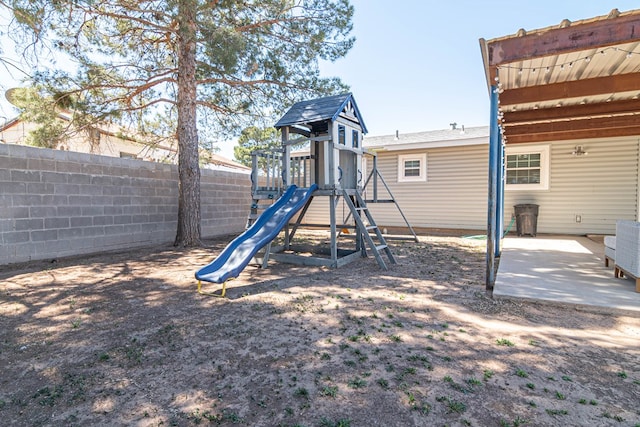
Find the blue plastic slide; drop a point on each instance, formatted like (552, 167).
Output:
(235, 257)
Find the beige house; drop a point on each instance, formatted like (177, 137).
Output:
(565, 107)
(438, 179)
(585, 185)
(106, 139)
(114, 141)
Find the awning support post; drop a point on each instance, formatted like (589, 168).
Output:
(500, 195)
(494, 189)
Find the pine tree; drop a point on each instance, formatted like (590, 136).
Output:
(217, 64)
(253, 139)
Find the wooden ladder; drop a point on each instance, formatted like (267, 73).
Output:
(359, 208)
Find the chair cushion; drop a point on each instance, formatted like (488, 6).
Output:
(610, 253)
(628, 246)
(610, 242)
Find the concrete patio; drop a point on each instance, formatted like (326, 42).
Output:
(562, 269)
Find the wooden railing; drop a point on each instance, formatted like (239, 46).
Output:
(301, 170)
(269, 176)
(266, 171)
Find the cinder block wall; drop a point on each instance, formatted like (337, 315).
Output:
(59, 203)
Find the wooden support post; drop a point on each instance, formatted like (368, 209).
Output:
(329, 160)
(375, 178)
(360, 246)
(333, 199)
(286, 159)
(287, 238)
(254, 173)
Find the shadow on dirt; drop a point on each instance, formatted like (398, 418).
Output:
(124, 339)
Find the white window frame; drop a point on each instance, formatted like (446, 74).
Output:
(544, 151)
(422, 158)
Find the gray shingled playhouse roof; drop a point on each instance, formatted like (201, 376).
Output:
(318, 110)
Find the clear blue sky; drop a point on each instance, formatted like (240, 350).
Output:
(416, 64)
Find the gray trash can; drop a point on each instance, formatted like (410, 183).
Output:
(526, 219)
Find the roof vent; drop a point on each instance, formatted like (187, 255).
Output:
(397, 135)
(613, 14)
(453, 125)
(565, 23)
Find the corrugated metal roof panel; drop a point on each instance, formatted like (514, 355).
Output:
(583, 69)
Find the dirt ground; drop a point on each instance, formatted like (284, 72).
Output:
(125, 340)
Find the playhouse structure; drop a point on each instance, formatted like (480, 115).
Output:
(333, 129)
(285, 183)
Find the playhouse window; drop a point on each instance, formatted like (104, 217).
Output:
(355, 138)
(341, 135)
(527, 168)
(412, 167)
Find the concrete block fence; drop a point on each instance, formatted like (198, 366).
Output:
(59, 203)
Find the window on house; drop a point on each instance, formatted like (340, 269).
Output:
(523, 168)
(355, 137)
(341, 135)
(527, 168)
(412, 167)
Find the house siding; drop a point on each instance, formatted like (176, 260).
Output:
(453, 196)
(600, 187)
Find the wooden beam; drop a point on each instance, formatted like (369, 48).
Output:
(574, 125)
(573, 89)
(573, 129)
(572, 112)
(581, 36)
(579, 134)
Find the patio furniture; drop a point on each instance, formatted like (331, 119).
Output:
(627, 252)
(609, 250)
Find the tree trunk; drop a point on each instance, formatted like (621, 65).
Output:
(188, 232)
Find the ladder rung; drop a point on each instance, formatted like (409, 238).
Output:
(371, 227)
(380, 247)
(380, 201)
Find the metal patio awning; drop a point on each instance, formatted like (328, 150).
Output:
(574, 80)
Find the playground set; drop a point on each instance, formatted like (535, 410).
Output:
(284, 184)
